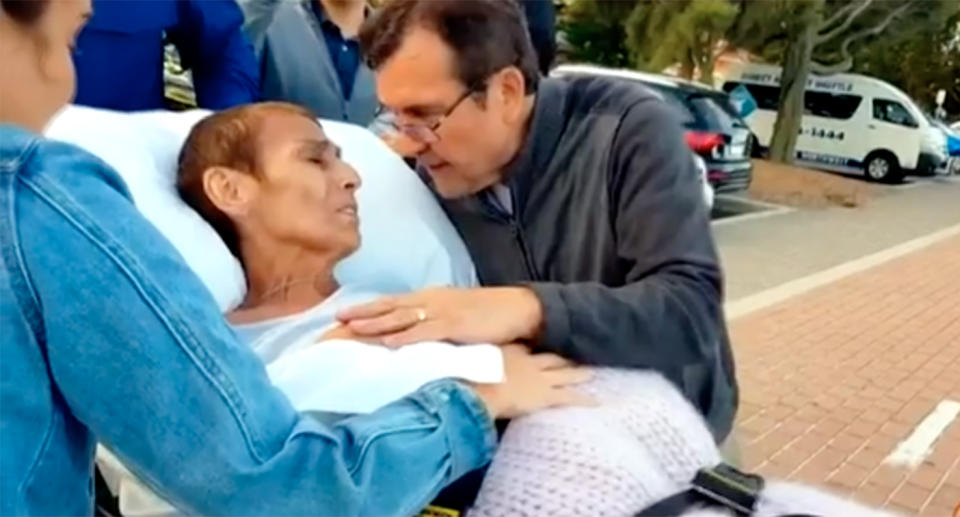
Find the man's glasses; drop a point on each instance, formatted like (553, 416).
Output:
(426, 133)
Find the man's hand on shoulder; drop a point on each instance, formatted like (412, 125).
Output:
(482, 315)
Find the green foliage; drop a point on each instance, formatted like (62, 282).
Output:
(662, 33)
(912, 53)
(919, 61)
(594, 30)
(765, 27)
(648, 34)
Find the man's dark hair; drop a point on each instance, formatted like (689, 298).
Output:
(24, 12)
(485, 36)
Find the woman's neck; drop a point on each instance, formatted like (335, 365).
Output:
(286, 281)
(308, 288)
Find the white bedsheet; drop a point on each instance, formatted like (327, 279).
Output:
(344, 376)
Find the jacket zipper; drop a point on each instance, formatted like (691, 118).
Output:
(518, 232)
(527, 259)
(493, 208)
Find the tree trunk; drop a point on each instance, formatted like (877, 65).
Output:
(707, 62)
(688, 65)
(793, 81)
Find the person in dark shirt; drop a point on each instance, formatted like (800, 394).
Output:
(339, 37)
(119, 55)
(541, 24)
(309, 55)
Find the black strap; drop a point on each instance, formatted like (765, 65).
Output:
(673, 505)
(721, 486)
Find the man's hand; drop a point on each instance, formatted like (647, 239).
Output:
(343, 332)
(483, 315)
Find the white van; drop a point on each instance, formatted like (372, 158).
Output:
(851, 122)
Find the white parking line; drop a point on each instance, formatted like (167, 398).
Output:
(925, 181)
(746, 305)
(912, 451)
(757, 209)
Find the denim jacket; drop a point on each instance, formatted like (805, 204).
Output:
(107, 335)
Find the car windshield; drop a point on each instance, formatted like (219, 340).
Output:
(715, 110)
(673, 97)
(701, 110)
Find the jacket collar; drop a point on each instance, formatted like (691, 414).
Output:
(15, 142)
(545, 128)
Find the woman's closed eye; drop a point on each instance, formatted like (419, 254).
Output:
(323, 154)
(322, 161)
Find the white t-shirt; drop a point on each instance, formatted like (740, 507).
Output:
(344, 376)
(502, 193)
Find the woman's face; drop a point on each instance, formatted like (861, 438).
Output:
(305, 196)
(38, 77)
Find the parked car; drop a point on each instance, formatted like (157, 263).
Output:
(708, 194)
(952, 137)
(851, 123)
(714, 130)
(933, 148)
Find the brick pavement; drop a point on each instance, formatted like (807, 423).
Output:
(832, 380)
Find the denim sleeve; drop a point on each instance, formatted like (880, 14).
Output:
(212, 44)
(143, 358)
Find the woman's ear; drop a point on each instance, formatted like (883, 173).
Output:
(230, 190)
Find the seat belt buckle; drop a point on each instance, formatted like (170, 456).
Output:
(729, 487)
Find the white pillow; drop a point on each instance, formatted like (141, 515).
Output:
(408, 242)
(144, 153)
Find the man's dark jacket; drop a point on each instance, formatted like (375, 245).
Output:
(609, 228)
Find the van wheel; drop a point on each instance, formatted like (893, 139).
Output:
(883, 167)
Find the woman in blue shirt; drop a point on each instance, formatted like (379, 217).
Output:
(109, 337)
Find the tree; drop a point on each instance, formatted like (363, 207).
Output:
(661, 33)
(803, 30)
(648, 34)
(933, 53)
(594, 31)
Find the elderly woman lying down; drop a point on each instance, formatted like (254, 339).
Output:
(275, 189)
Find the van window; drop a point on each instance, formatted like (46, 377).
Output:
(820, 104)
(893, 112)
(830, 105)
(767, 97)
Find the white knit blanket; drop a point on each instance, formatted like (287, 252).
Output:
(642, 443)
